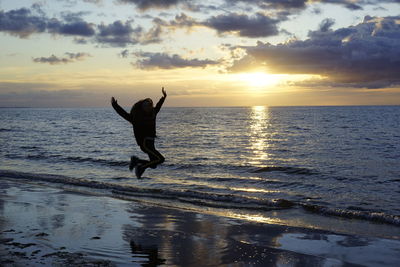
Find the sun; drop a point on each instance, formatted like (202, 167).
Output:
(259, 79)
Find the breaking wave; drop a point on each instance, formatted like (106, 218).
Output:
(215, 200)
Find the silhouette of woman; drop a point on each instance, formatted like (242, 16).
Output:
(143, 119)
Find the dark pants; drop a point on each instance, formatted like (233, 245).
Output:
(155, 157)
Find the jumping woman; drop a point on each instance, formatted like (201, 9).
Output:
(143, 119)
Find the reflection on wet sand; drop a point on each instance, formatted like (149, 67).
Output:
(103, 231)
(199, 240)
(151, 253)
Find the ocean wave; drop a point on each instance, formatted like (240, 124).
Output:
(200, 198)
(101, 161)
(60, 158)
(245, 168)
(33, 153)
(202, 166)
(286, 169)
(5, 130)
(30, 147)
(107, 162)
(354, 214)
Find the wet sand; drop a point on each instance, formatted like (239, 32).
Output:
(40, 225)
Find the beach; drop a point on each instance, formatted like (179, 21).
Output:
(42, 225)
(246, 186)
(200, 133)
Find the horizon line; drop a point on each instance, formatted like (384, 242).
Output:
(71, 107)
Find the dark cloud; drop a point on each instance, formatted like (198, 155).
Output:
(258, 25)
(182, 21)
(78, 28)
(243, 25)
(352, 5)
(54, 60)
(149, 60)
(73, 25)
(147, 4)
(366, 55)
(302, 4)
(274, 4)
(23, 22)
(197, 6)
(193, 7)
(160, 26)
(73, 16)
(326, 24)
(293, 5)
(118, 34)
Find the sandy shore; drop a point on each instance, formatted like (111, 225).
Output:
(40, 225)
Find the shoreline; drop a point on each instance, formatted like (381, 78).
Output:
(297, 215)
(43, 225)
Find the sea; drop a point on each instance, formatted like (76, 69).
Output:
(250, 162)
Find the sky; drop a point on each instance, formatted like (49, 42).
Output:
(80, 53)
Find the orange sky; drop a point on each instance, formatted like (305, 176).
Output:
(205, 53)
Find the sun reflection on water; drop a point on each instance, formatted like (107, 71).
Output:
(259, 119)
(254, 190)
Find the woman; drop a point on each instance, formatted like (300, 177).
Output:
(143, 118)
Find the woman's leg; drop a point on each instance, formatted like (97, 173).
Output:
(154, 156)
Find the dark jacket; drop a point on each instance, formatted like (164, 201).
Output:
(144, 125)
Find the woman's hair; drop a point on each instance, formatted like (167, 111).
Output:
(137, 108)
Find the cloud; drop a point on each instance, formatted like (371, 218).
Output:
(293, 5)
(153, 35)
(54, 60)
(302, 4)
(274, 4)
(259, 25)
(147, 4)
(242, 25)
(149, 60)
(118, 34)
(73, 16)
(124, 53)
(367, 54)
(78, 28)
(23, 22)
(182, 21)
(193, 7)
(197, 6)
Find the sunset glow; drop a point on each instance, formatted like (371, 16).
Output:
(260, 79)
(80, 53)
